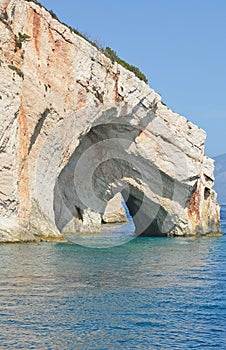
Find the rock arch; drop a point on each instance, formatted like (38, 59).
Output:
(63, 102)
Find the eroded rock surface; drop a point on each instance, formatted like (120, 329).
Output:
(76, 128)
(115, 211)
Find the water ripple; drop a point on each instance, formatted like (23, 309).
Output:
(148, 294)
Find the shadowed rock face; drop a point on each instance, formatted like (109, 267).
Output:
(76, 129)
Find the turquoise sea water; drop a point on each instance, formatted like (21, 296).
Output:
(151, 293)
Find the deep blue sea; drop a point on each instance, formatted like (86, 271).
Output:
(150, 293)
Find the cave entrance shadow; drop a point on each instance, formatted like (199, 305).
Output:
(113, 175)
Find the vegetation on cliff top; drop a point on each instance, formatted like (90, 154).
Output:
(107, 51)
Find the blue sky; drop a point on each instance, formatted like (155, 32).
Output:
(180, 45)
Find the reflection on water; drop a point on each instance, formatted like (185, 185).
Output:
(111, 235)
(151, 293)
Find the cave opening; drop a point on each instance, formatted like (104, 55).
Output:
(101, 167)
(117, 219)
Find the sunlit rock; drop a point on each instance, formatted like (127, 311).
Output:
(76, 129)
(115, 211)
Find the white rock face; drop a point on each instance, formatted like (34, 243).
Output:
(115, 211)
(76, 129)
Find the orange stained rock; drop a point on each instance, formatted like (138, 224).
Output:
(194, 208)
(37, 31)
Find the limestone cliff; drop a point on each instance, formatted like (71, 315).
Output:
(77, 128)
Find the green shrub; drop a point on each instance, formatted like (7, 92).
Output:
(54, 15)
(73, 30)
(17, 70)
(20, 39)
(114, 58)
(36, 2)
(23, 37)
